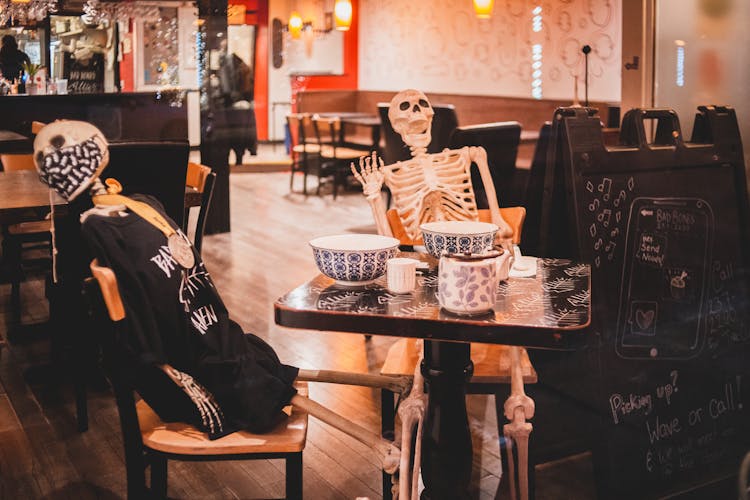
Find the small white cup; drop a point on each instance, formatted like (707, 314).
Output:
(62, 86)
(401, 275)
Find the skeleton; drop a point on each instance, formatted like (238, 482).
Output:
(429, 186)
(70, 156)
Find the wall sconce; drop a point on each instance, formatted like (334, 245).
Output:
(342, 14)
(483, 8)
(295, 25)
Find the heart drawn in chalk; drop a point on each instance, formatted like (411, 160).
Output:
(644, 319)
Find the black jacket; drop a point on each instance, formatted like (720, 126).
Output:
(176, 316)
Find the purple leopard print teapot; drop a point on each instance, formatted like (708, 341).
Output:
(467, 282)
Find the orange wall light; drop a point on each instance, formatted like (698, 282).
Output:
(483, 8)
(295, 24)
(342, 14)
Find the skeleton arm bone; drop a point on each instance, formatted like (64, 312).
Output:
(388, 453)
(371, 177)
(398, 384)
(505, 235)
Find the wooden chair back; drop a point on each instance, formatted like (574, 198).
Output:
(196, 176)
(37, 126)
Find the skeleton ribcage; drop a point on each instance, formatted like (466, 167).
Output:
(432, 187)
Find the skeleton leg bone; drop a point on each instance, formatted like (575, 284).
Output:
(518, 409)
(412, 411)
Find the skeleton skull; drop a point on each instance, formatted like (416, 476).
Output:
(69, 155)
(411, 115)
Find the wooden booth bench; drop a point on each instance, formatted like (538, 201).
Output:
(471, 110)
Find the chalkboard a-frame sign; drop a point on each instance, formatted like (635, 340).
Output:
(664, 225)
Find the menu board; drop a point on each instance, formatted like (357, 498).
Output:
(663, 225)
(85, 76)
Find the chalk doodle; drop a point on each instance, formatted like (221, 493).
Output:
(605, 208)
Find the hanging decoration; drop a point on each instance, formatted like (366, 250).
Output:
(97, 11)
(25, 10)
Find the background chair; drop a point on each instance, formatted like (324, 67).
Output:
(334, 156)
(151, 442)
(199, 187)
(27, 246)
(535, 192)
(305, 150)
(155, 168)
(500, 140)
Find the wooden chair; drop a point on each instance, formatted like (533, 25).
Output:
(199, 183)
(149, 441)
(23, 238)
(305, 151)
(492, 363)
(335, 157)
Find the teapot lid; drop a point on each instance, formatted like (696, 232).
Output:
(468, 256)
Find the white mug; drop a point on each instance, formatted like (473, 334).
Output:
(401, 275)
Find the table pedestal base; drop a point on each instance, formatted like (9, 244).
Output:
(446, 443)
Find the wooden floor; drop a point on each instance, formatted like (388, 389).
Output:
(266, 254)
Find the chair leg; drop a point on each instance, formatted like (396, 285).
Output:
(158, 476)
(294, 476)
(387, 426)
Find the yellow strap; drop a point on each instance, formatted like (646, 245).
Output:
(145, 210)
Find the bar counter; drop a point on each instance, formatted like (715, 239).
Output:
(125, 116)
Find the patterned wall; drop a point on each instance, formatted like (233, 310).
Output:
(441, 46)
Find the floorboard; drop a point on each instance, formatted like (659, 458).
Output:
(265, 255)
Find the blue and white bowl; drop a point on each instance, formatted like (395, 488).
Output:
(457, 237)
(353, 259)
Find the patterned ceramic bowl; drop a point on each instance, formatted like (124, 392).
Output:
(353, 259)
(457, 236)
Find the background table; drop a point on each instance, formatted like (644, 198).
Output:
(550, 310)
(24, 197)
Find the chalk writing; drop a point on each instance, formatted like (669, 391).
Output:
(651, 249)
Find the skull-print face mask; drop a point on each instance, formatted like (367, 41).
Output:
(69, 170)
(69, 155)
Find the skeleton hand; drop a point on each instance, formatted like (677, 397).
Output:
(370, 174)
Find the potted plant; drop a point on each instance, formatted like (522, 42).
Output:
(32, 82)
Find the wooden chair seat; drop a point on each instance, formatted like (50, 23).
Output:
(307, 148)
(491, 362)
(288, 436)
(341, 153)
